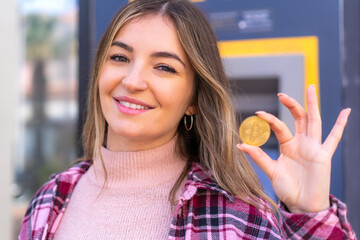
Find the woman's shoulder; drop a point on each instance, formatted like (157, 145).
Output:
(78, 167)
(60, 182)
(51, 197)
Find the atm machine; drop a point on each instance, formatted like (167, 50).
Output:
(271, 46)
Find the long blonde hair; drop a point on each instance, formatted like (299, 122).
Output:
(212, 141)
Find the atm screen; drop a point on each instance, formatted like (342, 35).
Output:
(253, 94)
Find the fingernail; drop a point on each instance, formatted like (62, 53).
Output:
(349, 110)
(240, 146)
(281, 94)
(260, 112)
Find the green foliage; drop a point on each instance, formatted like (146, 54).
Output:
(39, 29)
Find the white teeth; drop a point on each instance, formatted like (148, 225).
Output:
(132, 105)
(126, 104)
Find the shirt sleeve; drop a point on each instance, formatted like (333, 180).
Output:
(328, 224)
(36, 216)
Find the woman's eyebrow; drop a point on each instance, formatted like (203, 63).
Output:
(155, 54)
(168, 55)
(122, 45)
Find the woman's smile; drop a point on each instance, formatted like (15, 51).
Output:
(131, 106)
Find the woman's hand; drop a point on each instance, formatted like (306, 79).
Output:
(301, 175)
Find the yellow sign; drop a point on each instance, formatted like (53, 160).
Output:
(306, 46)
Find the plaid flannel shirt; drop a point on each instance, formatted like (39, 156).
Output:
(204, 211)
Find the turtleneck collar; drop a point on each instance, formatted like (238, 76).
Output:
(138, 169)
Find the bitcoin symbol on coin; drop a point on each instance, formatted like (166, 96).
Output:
(254, 131)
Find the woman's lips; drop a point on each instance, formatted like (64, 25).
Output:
(131, 106)
(132, 100)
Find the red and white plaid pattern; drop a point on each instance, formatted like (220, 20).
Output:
(205, 211)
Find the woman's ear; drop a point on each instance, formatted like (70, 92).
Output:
(191, 110)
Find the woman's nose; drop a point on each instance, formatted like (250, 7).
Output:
(135, 80)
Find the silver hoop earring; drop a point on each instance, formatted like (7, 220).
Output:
(191, 124)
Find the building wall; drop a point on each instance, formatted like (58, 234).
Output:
(9, 49)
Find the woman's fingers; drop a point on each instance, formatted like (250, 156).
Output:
(314, 118)
(282, 132)
(335, 135)
(297, 111)
(259, 157)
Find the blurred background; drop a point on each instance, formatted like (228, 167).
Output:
(267, 46)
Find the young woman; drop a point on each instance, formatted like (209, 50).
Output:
(161, 153)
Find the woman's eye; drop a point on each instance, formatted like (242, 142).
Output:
(119, 58)
(166, 69)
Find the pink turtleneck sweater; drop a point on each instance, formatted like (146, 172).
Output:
(133, 205)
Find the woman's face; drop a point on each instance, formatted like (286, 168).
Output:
(146, 85)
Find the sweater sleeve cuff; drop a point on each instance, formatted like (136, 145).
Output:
(331, 223)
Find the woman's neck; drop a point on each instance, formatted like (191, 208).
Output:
(140, 168)
(118, 143)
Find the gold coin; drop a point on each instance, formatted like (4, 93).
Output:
(254, 131)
